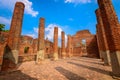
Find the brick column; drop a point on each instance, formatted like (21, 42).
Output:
(104, 50)
(55, 46)
(69, 46)
(15, 32)
(41, 44)
(112, 28)
(99, 41)
(63, 44)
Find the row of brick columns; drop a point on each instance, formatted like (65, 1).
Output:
(41, 43)
(12, 44)
(108, 35)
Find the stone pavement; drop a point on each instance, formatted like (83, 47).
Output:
(75, 68)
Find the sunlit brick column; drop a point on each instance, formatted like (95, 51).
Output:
(104, 50)
(63, 44)
(112, 29)
(69, 46)
(55, 46)
(15, 32)
(41, 43)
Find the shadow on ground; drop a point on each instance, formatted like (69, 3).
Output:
(91, 68)
(88, 61)
(68, 74)
(16, 75)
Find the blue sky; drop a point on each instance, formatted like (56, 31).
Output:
(69, 15)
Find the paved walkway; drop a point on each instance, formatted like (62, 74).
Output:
(75, 68)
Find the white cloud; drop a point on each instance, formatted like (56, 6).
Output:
(32, 35)
(4, 20)
(49, 33)
(78, 1)
(49, 30)
(28, 6)
(35, 30)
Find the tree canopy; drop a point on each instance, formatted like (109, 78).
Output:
(2, 26)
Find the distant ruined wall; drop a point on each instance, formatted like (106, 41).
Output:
(48, 49)
(85, 44)
(4, 36)
(24, 42)
(92, 47)
(26, 49)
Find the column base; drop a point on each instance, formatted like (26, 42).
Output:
(114, 76)
(63, 55)
(40, 56)
(55, 56)
(101, 55)
(106, 57)
(115, 63)
(14, 56)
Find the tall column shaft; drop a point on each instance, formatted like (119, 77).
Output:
(15, 32)
(112, 28)
(69, 46)
(104, 46)
(41, 43)
(63, 44)
(98, 35)
(55, 46)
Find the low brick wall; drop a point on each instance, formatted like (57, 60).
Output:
(27, 57)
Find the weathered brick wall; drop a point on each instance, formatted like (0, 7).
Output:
(89, 49)
(92, 47)
(4, 36)
(35, 42)
(26, 41)
(48, 49)
(27, 57)
(77, 51)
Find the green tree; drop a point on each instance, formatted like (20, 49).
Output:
(2, 26)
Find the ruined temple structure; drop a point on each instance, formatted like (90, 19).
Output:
(105, 44)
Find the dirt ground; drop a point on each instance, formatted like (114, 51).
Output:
(75, 68)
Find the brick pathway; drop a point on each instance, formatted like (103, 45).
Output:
(75, 68)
